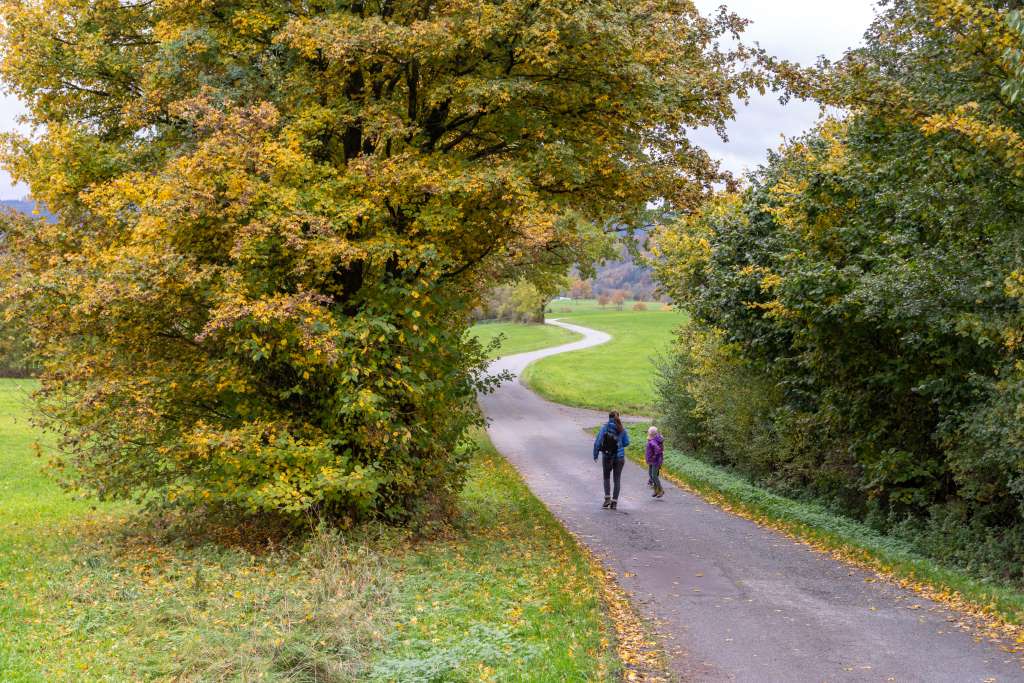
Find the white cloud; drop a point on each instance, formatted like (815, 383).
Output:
(10, 109)
(797, 30)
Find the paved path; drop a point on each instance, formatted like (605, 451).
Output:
(735, 601)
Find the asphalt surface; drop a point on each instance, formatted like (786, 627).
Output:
(732, 601)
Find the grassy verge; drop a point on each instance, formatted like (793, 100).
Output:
(616, 375)
(1001, 608)
(518, 338)
(92, 591)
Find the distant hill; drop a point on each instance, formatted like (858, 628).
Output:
(626, 274)
(28, 207)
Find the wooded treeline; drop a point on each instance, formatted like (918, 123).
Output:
(858, 331)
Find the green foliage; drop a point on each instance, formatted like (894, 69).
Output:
(15, 352)
(15, 349)
(709, 396)
(274, 217)
(1013, 88)
(868, 283)
(521, 302)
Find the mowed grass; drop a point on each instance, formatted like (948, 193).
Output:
(618, 375)
(99, 592)
(516, 338)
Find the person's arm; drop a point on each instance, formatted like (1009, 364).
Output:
(625, 437)
(597, 441)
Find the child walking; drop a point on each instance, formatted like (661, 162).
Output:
(654, 456)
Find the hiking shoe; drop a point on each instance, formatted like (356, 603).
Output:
(614, 504)
(660, 493)
(607, 502)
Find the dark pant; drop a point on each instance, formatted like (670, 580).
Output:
(612, 464)
(652, 472)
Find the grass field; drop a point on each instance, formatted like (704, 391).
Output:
(92, 591)
(618, 375)
(516, 338)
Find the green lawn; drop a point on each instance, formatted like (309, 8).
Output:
(617, 375)
(521, 338)
(99, 592)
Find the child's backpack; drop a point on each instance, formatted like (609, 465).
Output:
(610, 441)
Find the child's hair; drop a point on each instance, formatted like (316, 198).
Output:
(652, 432)
(614, 415)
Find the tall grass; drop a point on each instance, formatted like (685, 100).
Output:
(99, 591)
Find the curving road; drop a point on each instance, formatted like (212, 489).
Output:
(734, 601)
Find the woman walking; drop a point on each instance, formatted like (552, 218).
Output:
(654, 456)
(611, 443)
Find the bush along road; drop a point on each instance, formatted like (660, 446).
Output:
(733, 600)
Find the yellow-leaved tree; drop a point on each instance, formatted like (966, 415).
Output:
(275, 216)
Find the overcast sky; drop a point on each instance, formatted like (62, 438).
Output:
(799, 30)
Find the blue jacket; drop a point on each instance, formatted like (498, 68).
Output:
(623, 439)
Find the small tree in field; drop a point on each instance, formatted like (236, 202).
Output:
(275, 218)
(602, 300)
(580, 289)
(618, 298)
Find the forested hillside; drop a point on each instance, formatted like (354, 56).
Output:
(858, 320)
(624, 274)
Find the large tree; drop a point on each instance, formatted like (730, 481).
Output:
(275, 216)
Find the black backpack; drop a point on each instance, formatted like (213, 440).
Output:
(610, 441)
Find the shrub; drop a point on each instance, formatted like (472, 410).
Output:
(710, 399)
(639, 306)
(15, 358)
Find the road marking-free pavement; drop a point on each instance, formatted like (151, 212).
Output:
(733, 601)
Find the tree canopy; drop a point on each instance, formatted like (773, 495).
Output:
(868, 283)
(274, 218)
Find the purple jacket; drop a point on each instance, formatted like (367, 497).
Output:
(655, 450)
